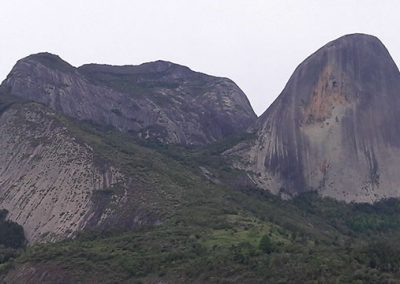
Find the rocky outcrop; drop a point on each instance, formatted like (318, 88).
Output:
(27, 273)
(47, 177)
(158, 101)
(334, 128)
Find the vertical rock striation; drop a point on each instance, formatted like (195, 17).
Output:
(47, 177)
(334, 128)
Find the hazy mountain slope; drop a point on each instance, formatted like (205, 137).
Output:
(158, 100)
(334, 128)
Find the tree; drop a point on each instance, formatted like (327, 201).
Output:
(266, 244)
(11, 234)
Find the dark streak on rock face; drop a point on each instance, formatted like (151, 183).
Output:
(335, 127)
(158, 100)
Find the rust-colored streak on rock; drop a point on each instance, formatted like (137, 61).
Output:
(328, 93)
(340, 105)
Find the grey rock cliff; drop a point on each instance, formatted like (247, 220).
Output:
(47, 177)
(334, 128)
(159, 100)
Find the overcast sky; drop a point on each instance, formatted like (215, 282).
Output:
(258, 44)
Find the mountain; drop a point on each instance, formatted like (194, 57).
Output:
(72, 158)
(86, 199)
(158, 101)
(334, 128)
(53, 183)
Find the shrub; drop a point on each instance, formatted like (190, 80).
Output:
(11, 234)
(266, 244)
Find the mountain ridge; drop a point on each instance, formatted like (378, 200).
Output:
(101, 204)
(158, 101)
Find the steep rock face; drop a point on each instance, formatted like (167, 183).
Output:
(159, 100)
(48, 178)
(334, 128)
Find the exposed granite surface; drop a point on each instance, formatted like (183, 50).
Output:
(334, 128)
(159, 100)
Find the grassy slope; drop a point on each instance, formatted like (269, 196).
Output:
(211, 232)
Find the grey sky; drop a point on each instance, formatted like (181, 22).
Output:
(258, 44)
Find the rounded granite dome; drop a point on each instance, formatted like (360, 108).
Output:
(334, 128)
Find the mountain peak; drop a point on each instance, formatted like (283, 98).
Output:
(334, 128)
(162, 65)
(49, 60)
(342, 70)
(355, 51)
(357, 37)
(159, 101)
(44, 55)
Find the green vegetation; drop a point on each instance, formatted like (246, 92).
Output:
(238, 247)
(11, 234)
(136, 84)
(266, 244)
(203, 229)
(5, 100)
(12, 240)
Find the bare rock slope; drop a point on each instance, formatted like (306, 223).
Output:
(334, 128)
(55, 182)
(158, 100)
(47, 177)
